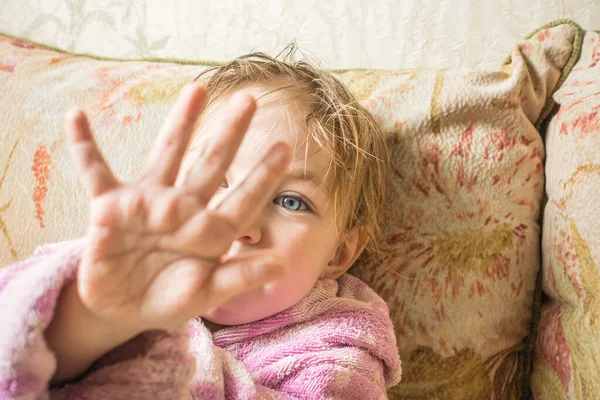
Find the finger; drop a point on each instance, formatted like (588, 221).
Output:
(95, 173)
(165, 157)
(243, 273)
(174, 289)
(247, 200)
(206, 235)
(189, 287)
(216, 227)
(208, 170)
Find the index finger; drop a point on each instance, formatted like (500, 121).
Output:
(208, 169)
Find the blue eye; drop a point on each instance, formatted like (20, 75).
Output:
(292, 203)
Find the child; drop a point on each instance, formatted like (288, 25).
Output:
(221, 272)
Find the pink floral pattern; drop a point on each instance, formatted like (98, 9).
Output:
(567, 352)
(463, 229)
(40, 168)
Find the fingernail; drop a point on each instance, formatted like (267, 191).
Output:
(188, 90)
(273, 274)
(279, 153)
(240, 99)
(270, 287)
(73, 114)
(276, 266)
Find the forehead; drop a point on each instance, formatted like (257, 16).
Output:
(279, 118)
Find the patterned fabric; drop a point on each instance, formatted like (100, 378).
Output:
(337, 343)
(463, 231)
(567, 352)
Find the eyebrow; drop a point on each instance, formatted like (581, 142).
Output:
(305, 175)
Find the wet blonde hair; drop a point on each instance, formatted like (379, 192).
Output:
(358, 174)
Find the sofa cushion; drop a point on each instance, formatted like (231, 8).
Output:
(567, 351)
(463, 230)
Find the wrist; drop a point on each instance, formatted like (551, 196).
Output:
(98, 324)
(78, 337)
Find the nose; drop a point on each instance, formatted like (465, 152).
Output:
(250, 235)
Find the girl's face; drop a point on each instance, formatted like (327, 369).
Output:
(298, 223)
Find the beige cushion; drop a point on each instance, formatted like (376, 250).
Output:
(464, 227)
(567, 360)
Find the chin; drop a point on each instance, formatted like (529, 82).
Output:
(248, 307)
(238, 311)
(252, 306)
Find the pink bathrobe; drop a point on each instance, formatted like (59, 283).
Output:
(337, 343)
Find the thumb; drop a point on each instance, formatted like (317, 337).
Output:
(244, 273)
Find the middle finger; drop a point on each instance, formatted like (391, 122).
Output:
(209, 168)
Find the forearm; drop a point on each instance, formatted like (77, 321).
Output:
(77, 337)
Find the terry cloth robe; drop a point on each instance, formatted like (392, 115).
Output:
(336, 343)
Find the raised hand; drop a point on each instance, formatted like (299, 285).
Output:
(154, 251)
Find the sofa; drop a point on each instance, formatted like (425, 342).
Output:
(493, 239)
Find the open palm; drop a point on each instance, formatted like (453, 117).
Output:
(154, 251)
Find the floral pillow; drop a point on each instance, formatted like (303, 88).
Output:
(567, 350)
(463, 230)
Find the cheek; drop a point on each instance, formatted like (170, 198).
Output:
(305, 249)
(298, 241)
